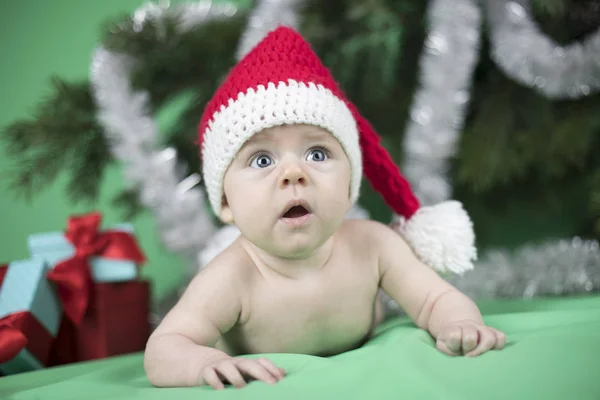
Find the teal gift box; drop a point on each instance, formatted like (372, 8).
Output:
(54, 247)
(25, 293)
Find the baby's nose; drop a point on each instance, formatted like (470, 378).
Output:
(293, 175)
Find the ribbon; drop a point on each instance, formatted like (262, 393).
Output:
(3, 271)
(15, 329)
(72, 276)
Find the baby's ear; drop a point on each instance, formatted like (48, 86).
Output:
(226, 215)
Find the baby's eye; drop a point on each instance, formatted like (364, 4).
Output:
(317, 155)
(261, 161)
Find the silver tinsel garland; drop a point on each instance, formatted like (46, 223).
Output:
(530, 57)
(451, 51)
(266, 16)
(177, 202)
(437, 114)
(553, 268)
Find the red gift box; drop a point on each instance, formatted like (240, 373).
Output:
(116, 322)
(30, 313)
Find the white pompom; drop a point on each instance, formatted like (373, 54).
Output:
(441, 236)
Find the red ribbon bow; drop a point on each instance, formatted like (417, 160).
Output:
(72, 276)
(22, 330)
(12, 339)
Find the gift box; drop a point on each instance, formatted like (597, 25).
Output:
(30, 313)
(95, 274)
(54, 247)
(116, 322)
(84, 254)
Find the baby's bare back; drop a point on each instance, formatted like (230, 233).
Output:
(327, 311)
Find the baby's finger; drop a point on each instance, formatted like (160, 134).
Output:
(211, 378)
(441, 346)
(257, 371)
(470, 338)
(230, 372)
(279, 373)
(487, 340)
(500, 339)
(452, 337)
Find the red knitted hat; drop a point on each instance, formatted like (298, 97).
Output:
(282, 81)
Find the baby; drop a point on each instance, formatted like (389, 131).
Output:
(283, 157)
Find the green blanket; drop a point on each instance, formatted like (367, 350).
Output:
(552, 352)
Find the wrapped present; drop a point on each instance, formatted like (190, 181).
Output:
(116, 322)
(105, 306)
(30, 313)
(64, 348)
(85, 254)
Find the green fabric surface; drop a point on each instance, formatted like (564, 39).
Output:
(552, 352)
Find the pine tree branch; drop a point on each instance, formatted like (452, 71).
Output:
(88, 164)
(128, 202)
(569, 144)
(566, 21)
(44, 145)
(512, 133)
(169, 61)
(184, 133)
(487, 157)
(550, 7)
(361, 42)
(595, 201)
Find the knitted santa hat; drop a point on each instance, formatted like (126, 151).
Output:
(282, 81)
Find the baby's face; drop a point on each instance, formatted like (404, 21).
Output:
(288, 189)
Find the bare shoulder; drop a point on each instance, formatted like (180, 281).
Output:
(214, 299)
(230, 268)
(368, 238)
(378, 239)
(359, 227)
(369, 232)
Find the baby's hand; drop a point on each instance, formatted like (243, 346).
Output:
(232, 370)
(469, 338)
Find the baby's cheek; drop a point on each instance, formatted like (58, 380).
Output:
(335, 202)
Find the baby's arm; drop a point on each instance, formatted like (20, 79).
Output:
(432, 303)
(180, 352)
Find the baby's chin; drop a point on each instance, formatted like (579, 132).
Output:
(293, 246)
(287, 242)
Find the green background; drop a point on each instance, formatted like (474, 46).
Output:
(38, 39)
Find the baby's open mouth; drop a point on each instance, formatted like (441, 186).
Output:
(295, 212)
(298, 213)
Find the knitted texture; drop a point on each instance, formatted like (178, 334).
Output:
(381, 171)
(286, 103)
(282, 81)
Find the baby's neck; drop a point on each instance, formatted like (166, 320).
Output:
(292, 267)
